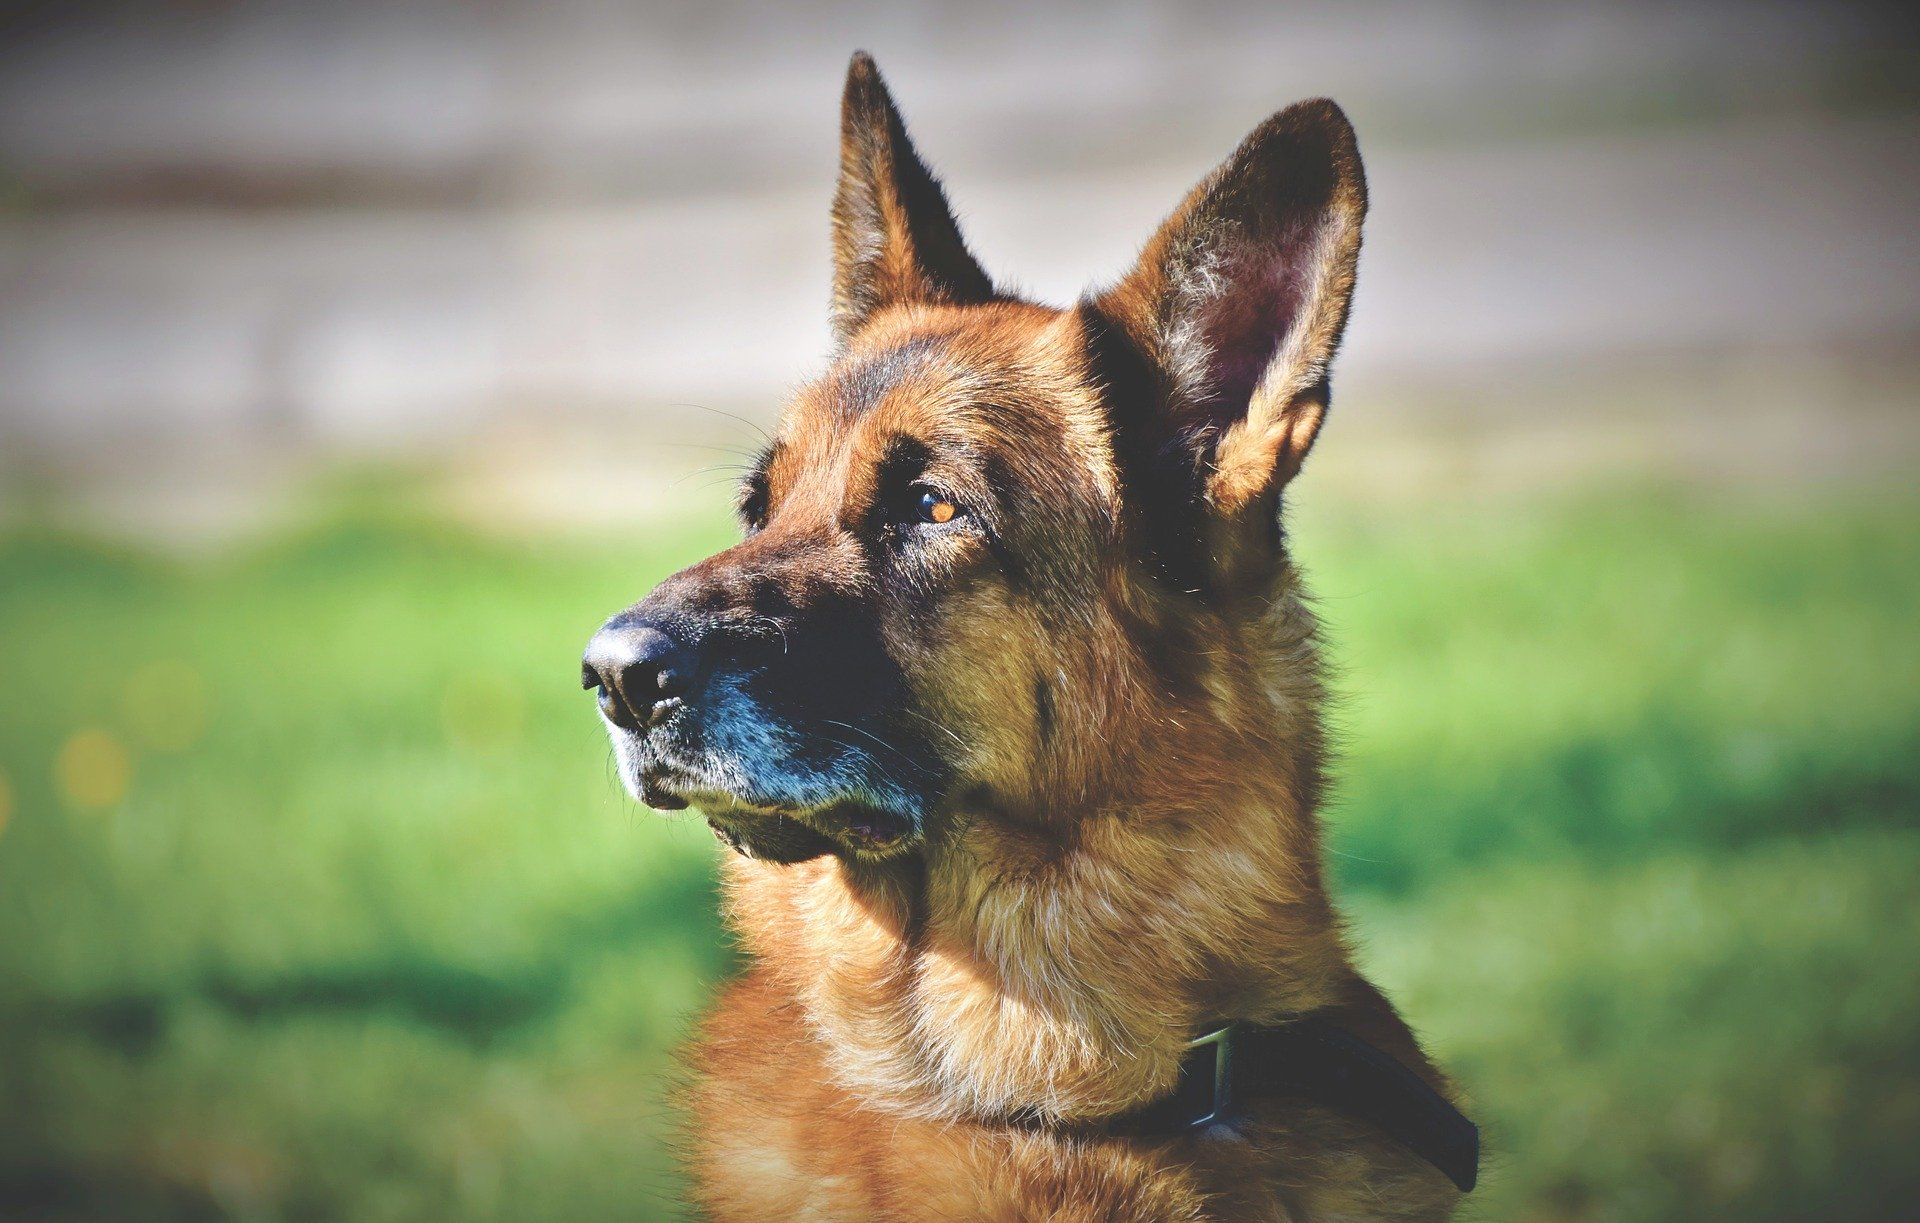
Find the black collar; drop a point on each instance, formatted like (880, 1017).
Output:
(1335, 1069)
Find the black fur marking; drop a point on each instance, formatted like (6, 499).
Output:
(1008, 492)
(1043, 709)
(1159, 469)
(902, 463)
(866, 381)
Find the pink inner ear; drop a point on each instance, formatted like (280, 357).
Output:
(1254, 297)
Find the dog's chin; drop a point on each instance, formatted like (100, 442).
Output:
(768, 828)
(770, 831)
(849, 828)
(774, 839)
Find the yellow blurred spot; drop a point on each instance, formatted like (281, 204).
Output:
(6, 802)
(92, 769)
(165, 703)
(482, 713)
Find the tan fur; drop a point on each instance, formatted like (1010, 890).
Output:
(1135, 853)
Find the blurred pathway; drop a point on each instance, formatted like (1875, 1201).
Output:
(365, 327)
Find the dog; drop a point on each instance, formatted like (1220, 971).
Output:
(1008, 703)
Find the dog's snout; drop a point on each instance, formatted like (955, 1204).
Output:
(639, 669)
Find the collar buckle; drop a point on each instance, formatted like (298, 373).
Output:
(1218, 1046)
(1311, 1059)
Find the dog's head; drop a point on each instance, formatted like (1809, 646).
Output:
(1002, 556)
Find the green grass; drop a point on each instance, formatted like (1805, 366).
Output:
(1627, 821)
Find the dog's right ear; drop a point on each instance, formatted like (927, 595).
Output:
(894, 237)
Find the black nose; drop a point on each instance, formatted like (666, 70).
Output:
(640, 670)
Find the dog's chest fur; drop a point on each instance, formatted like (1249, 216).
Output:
(842, 1085)
(777, 1138)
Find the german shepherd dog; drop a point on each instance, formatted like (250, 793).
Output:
(1008, 703)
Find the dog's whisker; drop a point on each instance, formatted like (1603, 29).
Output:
(915, 713)
(751, 424)
(746, 455)
(709, 470)
(867, 759)
(904, 758)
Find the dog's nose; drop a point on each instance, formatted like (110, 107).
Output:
(638, 668)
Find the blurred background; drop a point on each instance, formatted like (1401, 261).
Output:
(357, 358)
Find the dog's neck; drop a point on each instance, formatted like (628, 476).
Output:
(1053, 957)
(995, 974)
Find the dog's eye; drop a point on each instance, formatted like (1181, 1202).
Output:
(934, 507)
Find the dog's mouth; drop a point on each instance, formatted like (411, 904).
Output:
(780, 832)
(774, 791)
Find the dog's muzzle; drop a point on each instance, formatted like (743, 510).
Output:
(691, 727)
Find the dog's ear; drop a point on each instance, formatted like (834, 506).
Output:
(894, 237)
(1238, 302)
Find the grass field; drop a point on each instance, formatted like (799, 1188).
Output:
(318, 898)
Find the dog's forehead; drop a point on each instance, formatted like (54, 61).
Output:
(1007, 377)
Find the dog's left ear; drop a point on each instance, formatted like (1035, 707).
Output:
(894, 237)
(1239, 300)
